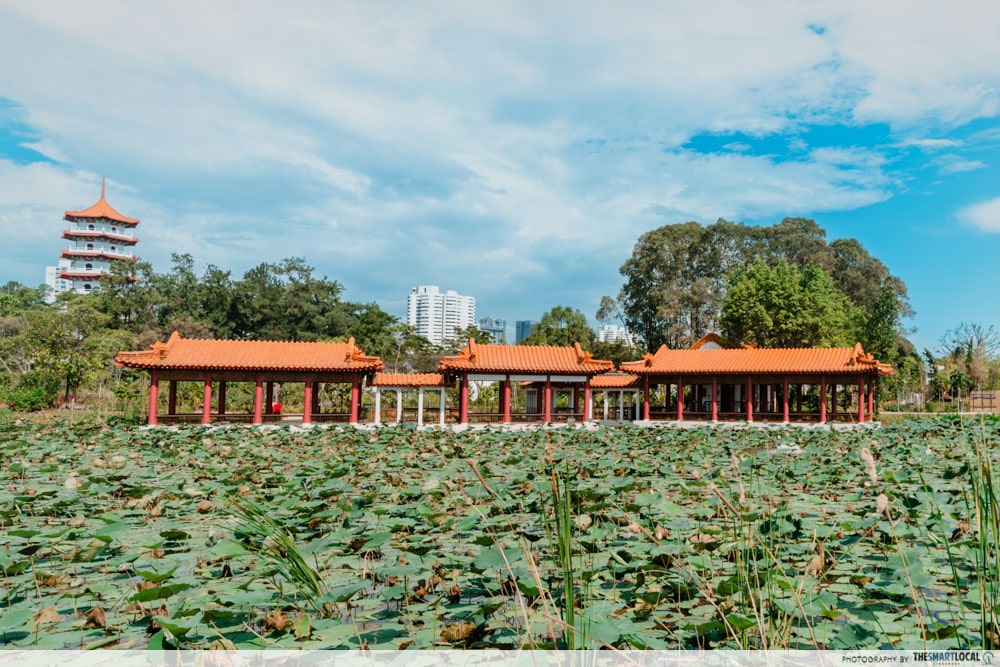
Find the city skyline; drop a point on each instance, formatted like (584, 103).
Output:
(516, 151)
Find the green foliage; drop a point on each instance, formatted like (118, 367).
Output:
(562, 326)
(677, 277)
(34, 390)
(781, 306)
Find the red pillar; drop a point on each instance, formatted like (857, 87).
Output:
(749, 400)
(154, 396)
(172, 398)
(861, 400)
(222, 397)
(822, 400)
(315, 402)
(505, 399)
(355, 398)
(715, 398)
(206, 401)
(588, 413)
(258, 401)
(645, 397)
(463, 400)
(871, 399)
(680, 399)
(784, 399)
(548, 399)
(307, 402)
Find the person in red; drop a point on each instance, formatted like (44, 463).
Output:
(275, 405)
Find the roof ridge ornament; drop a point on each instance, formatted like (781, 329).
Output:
(472, 349)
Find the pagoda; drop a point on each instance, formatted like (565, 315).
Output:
(98, 236)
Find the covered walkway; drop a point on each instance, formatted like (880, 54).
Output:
(215, 365)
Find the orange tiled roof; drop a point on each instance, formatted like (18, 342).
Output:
(410, 380)
(615, 381)
(830, 360)
(102, 209)
(524, 359)
(264, 355)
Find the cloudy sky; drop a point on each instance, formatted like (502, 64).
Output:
(512, 151)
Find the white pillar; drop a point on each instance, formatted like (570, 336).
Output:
(621, 404)
(441, 407)
(399, 405)
(378, 405)
(605, 405)
(420, 407)
(635, 402)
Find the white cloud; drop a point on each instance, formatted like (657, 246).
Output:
(984, 215)
(953, 164)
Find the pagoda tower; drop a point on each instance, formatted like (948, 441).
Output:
(98, 236)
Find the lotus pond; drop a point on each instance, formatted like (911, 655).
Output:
(120, 536)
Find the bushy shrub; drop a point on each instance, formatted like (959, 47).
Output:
(35, 390)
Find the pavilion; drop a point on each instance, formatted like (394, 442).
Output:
(546, 372)
(400, 384)
(262, 363)
(715, 381)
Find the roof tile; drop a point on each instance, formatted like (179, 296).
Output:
(410, 380)
(192, 353)
(524, 359)
(839, 360)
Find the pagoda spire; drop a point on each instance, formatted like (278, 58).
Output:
(102, 188)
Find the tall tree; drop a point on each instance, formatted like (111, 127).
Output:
(562, 326)
(781, 306)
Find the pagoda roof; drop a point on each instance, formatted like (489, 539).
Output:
(101, 210)
(476, 358)
(243, 355)
(765, 361)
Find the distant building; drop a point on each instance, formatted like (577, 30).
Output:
(436, 315)
(495, 327)
(99, 236)
(522, 329)
(612, 333)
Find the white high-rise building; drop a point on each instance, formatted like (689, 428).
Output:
(98, 236)
(612, 333)
(437, 315)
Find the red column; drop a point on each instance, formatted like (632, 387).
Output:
(871, 399)
(307, 402)
(588, 412)
(315, 402)
(172, 398)
(505, 399)
(463, 400)
(680, 399)
(715, 398)
(784, 399)
(645, 397)
(548, 399)
(206, 401)
(355, 398)
(154, 396)
(822, 400)
(222, 397)
(258, 401)
(749, 400)
(861, 400)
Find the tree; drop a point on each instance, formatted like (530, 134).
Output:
(781, 306)
(562, 326)
(677, 276)
(972, 346)
(461, 339)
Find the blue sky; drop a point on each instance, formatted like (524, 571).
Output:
(512, 151)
